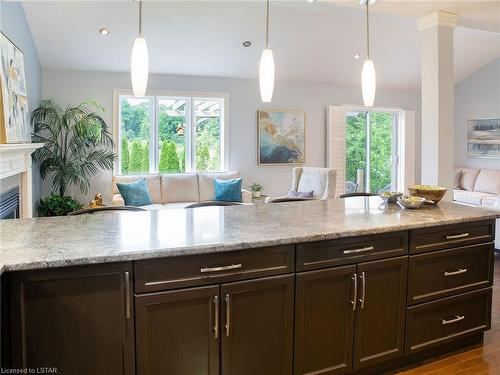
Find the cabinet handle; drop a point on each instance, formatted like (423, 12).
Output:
(355, 296)
(221, 268)
(127, 293)
(363, 293)
(362, 250)
(454, 320)
(228, 313)
(216, 317)
(456, 236)
(457, 272)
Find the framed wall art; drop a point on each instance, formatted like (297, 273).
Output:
(483, 138)
(281, 137)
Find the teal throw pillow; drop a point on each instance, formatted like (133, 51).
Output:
(228, 190)
(135, 193)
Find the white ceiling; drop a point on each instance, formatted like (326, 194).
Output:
(312, 42)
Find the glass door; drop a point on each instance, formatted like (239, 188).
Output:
(371, 151)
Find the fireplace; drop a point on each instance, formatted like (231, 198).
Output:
(10, 204)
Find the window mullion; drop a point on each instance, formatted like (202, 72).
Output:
(187, 136)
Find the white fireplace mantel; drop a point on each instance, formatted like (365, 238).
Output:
(16, 159)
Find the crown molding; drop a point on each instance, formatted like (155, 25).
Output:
(438, 18)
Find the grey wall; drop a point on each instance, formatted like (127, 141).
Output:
(75, 86)
(14, 26)
(477, 96)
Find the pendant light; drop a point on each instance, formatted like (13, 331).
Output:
(266, 68)
(139, 67)
(368, 76)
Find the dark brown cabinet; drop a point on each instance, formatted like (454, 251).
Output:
(324, 321)
(79, 320)
(257, 320)
(178, 332)
(352, 310)
(380, 314)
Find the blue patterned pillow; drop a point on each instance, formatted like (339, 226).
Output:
(135, 193)
(228, 190)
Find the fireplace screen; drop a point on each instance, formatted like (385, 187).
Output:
(9, 204)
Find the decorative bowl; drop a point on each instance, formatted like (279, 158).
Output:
(429, 192)
(410, 201)
(390, 196)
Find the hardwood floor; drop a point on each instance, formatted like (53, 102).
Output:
(477, 360)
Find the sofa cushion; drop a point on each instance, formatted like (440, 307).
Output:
(135, 193)
(228, 190)
(469, 197)
(488, 181)
(180, 187)
(468, 178)
(153, 182)
(456, 179)
(491, 201)
(206, 183)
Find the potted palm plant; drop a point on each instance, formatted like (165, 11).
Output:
(77, 145)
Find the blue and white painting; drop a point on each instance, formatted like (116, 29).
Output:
(281, 137)
(483, 139)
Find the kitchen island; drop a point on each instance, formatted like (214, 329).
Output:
(323, 287)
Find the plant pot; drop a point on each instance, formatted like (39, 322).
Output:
(256, 194)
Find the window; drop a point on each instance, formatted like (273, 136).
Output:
(371, 151)
(171, 134)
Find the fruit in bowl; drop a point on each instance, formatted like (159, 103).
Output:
(390, 196)
(411, 201)
(430, 192)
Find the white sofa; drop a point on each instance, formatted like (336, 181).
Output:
(178, 190)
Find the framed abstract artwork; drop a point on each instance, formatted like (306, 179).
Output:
(14, 117)
(281, 137)
(483, 138)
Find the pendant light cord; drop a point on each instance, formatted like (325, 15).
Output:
(367, 29)
(140, 18)
(267, 24)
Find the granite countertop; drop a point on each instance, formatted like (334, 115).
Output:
(110, 237)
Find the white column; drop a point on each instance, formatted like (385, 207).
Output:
(27, 189)
(436, 34)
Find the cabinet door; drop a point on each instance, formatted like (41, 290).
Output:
(257, 317)
(177, 332)
(77, 319)
(324, 321)
(380, 314)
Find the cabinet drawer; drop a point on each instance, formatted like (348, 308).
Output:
(446, 236)
(434, 323)
(448, 272)
(179, 272)
(322, 254)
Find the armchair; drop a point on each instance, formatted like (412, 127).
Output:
(319, 180)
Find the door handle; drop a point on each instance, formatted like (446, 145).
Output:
(221, 268)
(457, 236)
(355, 296)
(216, 316)
(363, 292)
(228, 314)
(127, 294)
(456, 319)
(361, 250)
(457, 272)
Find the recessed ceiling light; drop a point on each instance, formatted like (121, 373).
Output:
(247, 43)
(363, 2)
(311, 1)
(104, 31)
(356, 56)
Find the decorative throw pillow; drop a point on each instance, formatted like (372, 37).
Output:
(300, 194)
(135, 193)
(228, 190)
(456, 179)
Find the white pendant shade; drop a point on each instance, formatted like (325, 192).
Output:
(368, 83)
(266, 75)
(139, 67)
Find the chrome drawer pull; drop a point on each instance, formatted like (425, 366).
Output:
(355, 296)
(456, 236)
(457, 272)
(362, 250)
(457, 318)
(221, 268)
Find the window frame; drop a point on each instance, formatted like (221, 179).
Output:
(155, 96)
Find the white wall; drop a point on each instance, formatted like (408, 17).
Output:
(75, 86)
(14, 25)
(477, 96)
